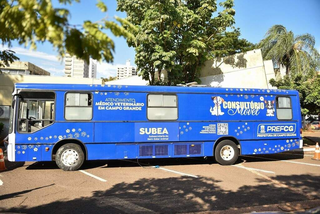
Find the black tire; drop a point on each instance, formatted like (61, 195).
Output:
(69, 157)
(226, 152)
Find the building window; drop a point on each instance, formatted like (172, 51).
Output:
(78, 106)
(284, 108)
(162, 107)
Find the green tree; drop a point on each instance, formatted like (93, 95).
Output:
(179, 36)
(104, 80)
(309, 90)
(296, 53)
(32, 21)
(6, 57)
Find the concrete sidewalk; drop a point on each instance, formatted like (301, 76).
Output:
(312, 137)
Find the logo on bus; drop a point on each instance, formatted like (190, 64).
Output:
(276, 130)
(236, 107)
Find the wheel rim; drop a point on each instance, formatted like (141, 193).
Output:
(70, 157)
(227, 153)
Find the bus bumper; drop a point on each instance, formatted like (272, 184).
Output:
(11, 148)
(301, 144)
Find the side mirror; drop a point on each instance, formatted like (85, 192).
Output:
(13, 100)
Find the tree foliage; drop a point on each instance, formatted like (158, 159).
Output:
(308, 87)
(6, 57)
(179, 36)
(301, 61)
(32, 21)
(104, 80)
(296, 53)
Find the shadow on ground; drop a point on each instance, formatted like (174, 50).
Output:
(310, 140)
(167, 161)
(184, 194)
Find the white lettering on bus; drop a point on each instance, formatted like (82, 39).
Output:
(243, 108)
(153, 131)
(280, 128)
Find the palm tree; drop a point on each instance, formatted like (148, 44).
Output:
(296, 53)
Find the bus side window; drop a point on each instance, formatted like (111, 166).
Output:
(78, 106)
(162, 107)
(284, 108)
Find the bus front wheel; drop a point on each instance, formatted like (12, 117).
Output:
(69, 157)
(226, 152)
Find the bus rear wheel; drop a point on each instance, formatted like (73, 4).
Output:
(69, 157)
(226, 152)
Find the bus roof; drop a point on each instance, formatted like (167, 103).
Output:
(155, 89)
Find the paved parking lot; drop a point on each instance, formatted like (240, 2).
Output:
(282, 182)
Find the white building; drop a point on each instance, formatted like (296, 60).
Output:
(126, 71)
(243, 70)
(74, 67)
(23, 68)
(93, 68)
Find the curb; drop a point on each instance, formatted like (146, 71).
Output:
(309, 149)
(310, 139)
(303, 150)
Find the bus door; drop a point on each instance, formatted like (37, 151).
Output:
(36, 111)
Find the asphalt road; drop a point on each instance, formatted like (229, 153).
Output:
(282, 182)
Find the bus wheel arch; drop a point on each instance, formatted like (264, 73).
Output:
(66, 141)
(227, 150)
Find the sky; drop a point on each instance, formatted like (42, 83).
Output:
(253, 17)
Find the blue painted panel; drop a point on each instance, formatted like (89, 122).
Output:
(208, 148)
(195, 107)
(114, 132)
(268, 147)
(59, 105)
(146, 132)
(277, 130)
(236, 104)
(56, 132)
(46, 155)
(129, 151)
(111, 151)
(192, 131)
(33, 152)
(28, 153)
(119, 106)
(22, 153)
(101, 151)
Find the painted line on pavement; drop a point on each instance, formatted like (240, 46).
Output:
(309, 149)
(278, 183)
(287, 161)
(173, 171)
(259, 170)
(1, 183)
(296, 162)
(93, 176)
(304, 155)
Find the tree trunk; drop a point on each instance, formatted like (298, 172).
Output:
(287, 70)
(152, 78)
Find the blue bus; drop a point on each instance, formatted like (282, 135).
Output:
(69, 123)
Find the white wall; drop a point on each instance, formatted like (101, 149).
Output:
(244, 70)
